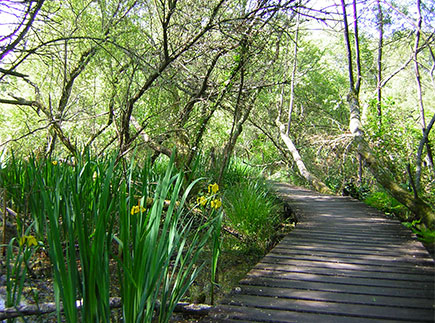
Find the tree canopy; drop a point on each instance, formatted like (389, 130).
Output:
(328, 94)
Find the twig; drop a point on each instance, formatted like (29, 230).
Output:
(226, 228)
(8, 210)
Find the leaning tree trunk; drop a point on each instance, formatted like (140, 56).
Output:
(285, 133)
(377, 168)
(420, 103)
(310, 178)
(375, 164)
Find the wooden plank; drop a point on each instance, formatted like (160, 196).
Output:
(230, 313)
(301, 261)
(349, 249)
(338, 287)
(350, 252)
(379, 263)
(314, 295)
(363, 250)
(330, 278)
(336, 239)
(382, 236)
(349, 241)
(345, 236)
(355, 254)
(409, 251)
(328, 307)
(417, 277)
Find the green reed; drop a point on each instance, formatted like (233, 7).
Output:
(79, 212)
(159, 249)
(82, 213)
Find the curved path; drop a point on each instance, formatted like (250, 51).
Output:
(344, 262)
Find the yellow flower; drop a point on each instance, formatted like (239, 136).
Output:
(28, 240)
(213, 188)
(136, 209)
(54, 162)
(31, 241)
(216, 203)
(201, 200)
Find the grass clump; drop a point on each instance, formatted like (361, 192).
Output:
(252, 210)
(424, 234)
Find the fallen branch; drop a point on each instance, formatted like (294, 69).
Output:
(114, 302)
(45, 308)
(226, 228)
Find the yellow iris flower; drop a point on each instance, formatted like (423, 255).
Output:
(213, 188)
(28, 240)
(216, 203)
(136, 209)
(201, 200)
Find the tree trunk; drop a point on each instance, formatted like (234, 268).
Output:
(311, 179)
(285, 133)
(376, 165)
(379, 63)
(377, 168)
(293, 77)
(420, 103)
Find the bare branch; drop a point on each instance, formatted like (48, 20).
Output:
(29, 23)
(25, 135)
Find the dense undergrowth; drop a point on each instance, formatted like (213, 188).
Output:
(145, 232)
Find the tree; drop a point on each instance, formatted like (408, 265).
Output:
(285, 131)
(420, 102)
(413, 202)
(26, 14)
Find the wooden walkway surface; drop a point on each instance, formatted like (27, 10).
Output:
(344, 262)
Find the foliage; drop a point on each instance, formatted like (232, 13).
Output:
(17, 264)
(384, 202)
(423, 234)
(239, 172)
(88, 207)
(148, 242)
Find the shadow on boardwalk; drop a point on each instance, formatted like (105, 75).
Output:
(344, 262)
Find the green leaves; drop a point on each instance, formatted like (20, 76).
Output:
(155, 241)
(83, 212)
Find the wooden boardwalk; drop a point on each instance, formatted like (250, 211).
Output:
(344, 262)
